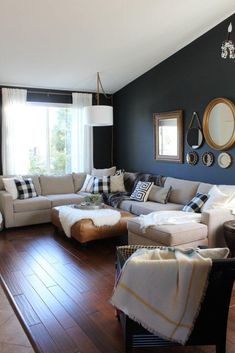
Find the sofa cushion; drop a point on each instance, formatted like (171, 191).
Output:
(117, 183)
(88, 184)
(182, 190)
(129, 180)
(149, 206)
(36, 182)
(32, 204)
(99, 173)
(126, 205)
(170, 234)
(204, 188)
(64, 199)
(157, 179)
(229, 190)
(52, 185)
(217, 199)
(10, 187)
(159, 194)
(84, 194)
(35, 179)
(78, 180)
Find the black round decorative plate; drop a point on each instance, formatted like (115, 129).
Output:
(192, 158)
(208, 159)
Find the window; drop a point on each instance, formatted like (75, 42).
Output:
(45, 137)
(48, 145)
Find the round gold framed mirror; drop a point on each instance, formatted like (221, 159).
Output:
(219, 124)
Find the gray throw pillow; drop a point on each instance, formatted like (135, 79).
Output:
(159, 194)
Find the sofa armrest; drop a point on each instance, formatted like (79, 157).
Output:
(214, 219)
(6, 207)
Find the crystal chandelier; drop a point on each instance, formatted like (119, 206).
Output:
(228, 48)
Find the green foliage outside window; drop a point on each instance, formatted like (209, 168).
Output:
(59, 159)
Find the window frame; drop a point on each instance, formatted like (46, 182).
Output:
(49, 105)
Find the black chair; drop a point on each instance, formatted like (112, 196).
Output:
(211, 324)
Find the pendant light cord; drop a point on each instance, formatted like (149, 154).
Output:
(99, 85)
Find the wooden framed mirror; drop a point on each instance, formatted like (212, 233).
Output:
(168, 136)
(219, 124)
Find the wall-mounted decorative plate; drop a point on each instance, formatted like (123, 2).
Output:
(192, 158)
(224, 160)
(208, 159)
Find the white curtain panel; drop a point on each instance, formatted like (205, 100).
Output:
(82, 135)
(14, 155)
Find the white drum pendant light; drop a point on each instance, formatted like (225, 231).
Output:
(99, 115)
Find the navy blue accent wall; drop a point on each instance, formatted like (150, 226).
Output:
(188, 80)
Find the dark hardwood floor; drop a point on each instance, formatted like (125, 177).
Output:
(61, 292)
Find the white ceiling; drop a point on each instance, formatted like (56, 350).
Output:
(61, 44)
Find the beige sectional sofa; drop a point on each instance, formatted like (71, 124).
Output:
(208, 232)
(58, 190)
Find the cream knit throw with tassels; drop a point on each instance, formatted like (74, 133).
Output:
(163, 290)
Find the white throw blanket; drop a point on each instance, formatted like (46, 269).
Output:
(168, 217)
(163, 290)
(101, 217)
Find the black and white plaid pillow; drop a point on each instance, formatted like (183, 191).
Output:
(141, 191)
(196, 203)
(25, 188)
(101, 185)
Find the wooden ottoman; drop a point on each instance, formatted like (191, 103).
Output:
(84, 230)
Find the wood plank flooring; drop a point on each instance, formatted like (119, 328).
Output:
(61, 292)
(12, 336)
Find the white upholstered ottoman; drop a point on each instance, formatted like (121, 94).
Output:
(181, 235)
